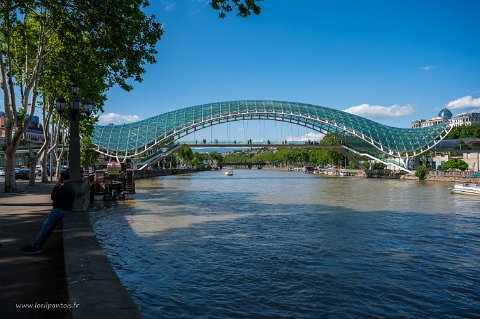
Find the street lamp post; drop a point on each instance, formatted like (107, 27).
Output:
(75, 106)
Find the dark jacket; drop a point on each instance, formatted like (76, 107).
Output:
(64, 196)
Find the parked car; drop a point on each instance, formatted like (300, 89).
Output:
(2, 171)
(22, 173)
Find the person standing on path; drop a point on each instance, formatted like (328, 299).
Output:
(63, 197)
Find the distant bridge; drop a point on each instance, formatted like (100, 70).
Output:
(258, 145)
(246, 164)
(359, 135)
(169, 150)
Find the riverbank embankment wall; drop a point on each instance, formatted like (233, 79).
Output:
(439, 176)
(139, 174)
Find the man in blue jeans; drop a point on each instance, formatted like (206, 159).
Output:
(63, 196)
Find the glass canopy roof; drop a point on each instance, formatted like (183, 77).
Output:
(131, 138)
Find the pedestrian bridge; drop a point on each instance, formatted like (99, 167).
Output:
(357, 133)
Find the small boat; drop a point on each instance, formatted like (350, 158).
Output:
(466, 188)
(229, 173)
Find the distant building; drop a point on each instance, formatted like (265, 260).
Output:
(466, 119)
(446, 116)
(464, 149)
(472, 159)
(33, 133)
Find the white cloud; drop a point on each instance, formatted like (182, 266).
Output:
(312, 136)
(426, 67)
(114, 118)
(465, 102)
(169, 7)
(197, 6)
(379, 111)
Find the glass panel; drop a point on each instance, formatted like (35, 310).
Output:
(128, 136)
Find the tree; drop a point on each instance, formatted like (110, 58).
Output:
(379, 166)
(237, 157)
(244, 7)
(455, 163)
(197, 161)
(265, 156)
(215, 157)
(185, 154)
(88, 155)
(422, 172)
(471, 131)
(46, 149)
(329, 156)
(95, 45)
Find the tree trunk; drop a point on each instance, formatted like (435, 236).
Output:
(59, 162)
(43, 164)
(32, 163)
(47, 112)
(10, 182)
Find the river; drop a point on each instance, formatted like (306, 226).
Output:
(275, 244)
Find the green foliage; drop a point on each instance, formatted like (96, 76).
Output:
(185, 154)
(320, 156)
(87, 154)
(238, 157)
(353, 166)
(46, 46)
(289, 156)
(215, 157)
(94, 46)
(331, 139)
(197, 159)
(379, 166)
(421, 172)
(244, 7)
(455, 163)
(113, 37)
(265, 156)
(472, 131)
(200, 168)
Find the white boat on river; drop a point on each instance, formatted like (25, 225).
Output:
(229, 173)
(466, 188)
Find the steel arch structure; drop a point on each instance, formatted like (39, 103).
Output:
(130, 140)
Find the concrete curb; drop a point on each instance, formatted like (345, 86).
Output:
(92, 282)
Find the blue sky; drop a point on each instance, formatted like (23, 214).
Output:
(391, 61)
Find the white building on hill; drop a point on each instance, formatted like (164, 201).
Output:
(445, 115)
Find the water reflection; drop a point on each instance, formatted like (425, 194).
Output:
(151, 224)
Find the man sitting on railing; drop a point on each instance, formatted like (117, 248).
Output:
(63, 196)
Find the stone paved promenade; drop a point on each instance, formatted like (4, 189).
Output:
(72, 271)
(30, 280)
